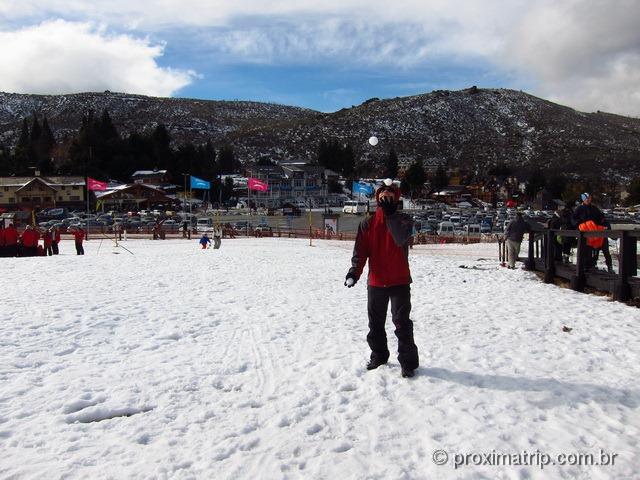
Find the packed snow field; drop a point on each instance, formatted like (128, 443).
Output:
(248, 362)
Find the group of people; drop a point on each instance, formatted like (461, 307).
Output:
(27, 244)
(585, 217)
(205, 241)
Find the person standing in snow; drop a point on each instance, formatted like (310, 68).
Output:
(584, 213)
(2, 241)
(217, 236)
(205, 241)
(513, 234)
(383, 239)
(11, 241)
(29, 239)
(47, 238)
(55, 240)
(78, 234)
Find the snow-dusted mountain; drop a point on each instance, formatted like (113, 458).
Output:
(472, 127)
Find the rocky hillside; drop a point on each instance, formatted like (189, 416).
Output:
(474, 128)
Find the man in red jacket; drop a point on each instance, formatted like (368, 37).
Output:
(383, 239)
(78, 234)
(2, 249)
(11, 241)
(30, 238)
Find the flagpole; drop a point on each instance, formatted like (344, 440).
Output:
(86, 182)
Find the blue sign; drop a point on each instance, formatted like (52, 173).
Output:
(199, 183)
(363, 188)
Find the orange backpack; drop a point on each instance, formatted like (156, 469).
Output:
(590, 226)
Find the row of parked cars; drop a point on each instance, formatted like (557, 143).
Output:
(446, 220)
(113, 221)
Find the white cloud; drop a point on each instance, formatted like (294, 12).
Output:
(66, 57)
(584, 53)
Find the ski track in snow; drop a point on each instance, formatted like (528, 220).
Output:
(248, 362)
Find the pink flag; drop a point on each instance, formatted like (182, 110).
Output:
(96, 185)
(259, 185)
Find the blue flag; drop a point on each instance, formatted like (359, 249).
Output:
(199, 183)
(363, 188)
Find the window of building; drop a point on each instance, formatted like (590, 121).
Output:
(75, 187)
(12, 200)
(63, 187)
(26, 199)
(6, 189)
(47, 199)
(75, 198)
(298, 183)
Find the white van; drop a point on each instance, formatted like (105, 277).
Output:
(446, 228)
(472, 230)
(204, 223)
(355, 207)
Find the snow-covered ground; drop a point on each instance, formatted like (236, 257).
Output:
(248, 362)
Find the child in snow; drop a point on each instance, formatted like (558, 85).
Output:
(205, 241)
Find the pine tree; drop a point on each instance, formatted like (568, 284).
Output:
(226, 160)
(105, 127)
(440, 180)
(22, 153)
(43, 148)
(391, 165)
(634, 192)
(415, 177)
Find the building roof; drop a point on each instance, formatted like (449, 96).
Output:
(148, 173)
(50, 181)
(38, 180)
(120, 188)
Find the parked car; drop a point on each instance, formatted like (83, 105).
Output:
(446, 228)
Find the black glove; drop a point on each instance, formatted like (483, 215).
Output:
(388, 205)
(350, 280)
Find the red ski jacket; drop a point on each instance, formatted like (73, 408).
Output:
(384, 241)
(1, 237)
(79, 236)
(30, 238)
(10, 236)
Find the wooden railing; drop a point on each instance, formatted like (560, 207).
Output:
(623, 284)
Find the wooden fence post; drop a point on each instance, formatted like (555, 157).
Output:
(531, 261)
(627, 267)
(577, 280)
(549, 257)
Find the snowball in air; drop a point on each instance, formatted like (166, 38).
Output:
(373, 141)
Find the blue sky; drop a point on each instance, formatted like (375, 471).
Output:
(328, 55)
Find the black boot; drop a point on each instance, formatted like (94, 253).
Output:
(373, 364)
(406, 373)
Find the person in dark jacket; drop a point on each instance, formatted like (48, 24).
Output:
(55, 240)
(383, 240)
(587, 211)
(584, 213)
(513, 234)
(205, 241)
(561, 220)
(47, 238)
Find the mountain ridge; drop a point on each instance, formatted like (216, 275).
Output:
(473, 128)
